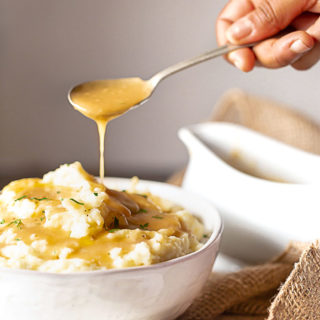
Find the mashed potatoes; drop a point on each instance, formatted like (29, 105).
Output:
(67, 222)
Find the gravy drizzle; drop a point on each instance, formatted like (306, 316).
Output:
(104, 100)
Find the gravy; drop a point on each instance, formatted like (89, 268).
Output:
(138, 213)
(104, 100)
(236, 161)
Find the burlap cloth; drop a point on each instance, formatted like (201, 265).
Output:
(288, 287)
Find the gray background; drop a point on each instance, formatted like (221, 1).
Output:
(47, 46)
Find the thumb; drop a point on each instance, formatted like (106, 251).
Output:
(267, 18)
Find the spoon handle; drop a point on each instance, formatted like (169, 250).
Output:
(193, 61)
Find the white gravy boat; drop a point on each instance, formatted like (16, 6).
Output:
(260, 216)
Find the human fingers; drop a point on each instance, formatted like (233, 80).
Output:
(308, 60)
(308, 22)
(280, 52)
(267, 19)
(316, 7)
(243, 59)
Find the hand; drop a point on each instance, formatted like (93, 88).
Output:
(245, 21)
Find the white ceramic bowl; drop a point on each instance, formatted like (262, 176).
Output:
(160, 291)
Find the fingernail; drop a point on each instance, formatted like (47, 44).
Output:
(239, 30)
(299, 47)
(233, 57)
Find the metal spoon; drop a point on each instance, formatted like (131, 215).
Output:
(220, 51)
(158, 77)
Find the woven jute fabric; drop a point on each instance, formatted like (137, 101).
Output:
(223, 292)
(299, 297)
(273, 119)
(287, 287)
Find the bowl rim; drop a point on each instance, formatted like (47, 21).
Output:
(214, 237)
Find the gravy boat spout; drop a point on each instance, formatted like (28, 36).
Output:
(266, 191)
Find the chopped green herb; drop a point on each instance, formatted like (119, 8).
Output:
(39, 199)
(42, 218)
(58, 192)
(142, 210)
(205, 236)
(124, 190)
(2, 221)
(144, 226)
(61, 199)
(43, 211)
(95, 193)
(157, 217)
(112, 230)
(17, 222)
(81, 203)
(20, 198)
(116, 222)
(144, 195)
(18, 239)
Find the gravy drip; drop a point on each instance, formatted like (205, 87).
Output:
(104, 100)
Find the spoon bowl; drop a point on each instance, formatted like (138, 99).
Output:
(107, 99)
